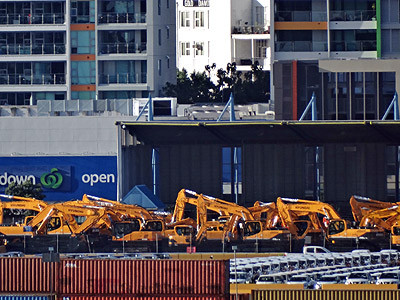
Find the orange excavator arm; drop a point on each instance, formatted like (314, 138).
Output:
(361, 206)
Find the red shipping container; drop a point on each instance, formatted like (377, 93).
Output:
(25, 275)
(143, 277)
(145, 298)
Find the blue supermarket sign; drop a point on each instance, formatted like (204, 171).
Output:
(63, 178)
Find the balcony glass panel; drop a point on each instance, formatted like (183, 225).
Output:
(106, 18)
(300, 46)
(300, 16)
(122, 48)
(19, 79)
(14, 19)
(353, 15)
(40, 49)
(354, 46)
(127, 78)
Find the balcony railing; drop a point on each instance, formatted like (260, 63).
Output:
(19, 79)
(126, 78)
(13, 19)
(251, 29)
(301, 46)
(300, 16)
(32, 49)
(354, 46)
(353, 15)
(262, 61)
(122, 48)
(108, 18)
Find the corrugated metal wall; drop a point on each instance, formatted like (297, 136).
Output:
(326, 295)
(194, 167)
(136, 167)
(271, 171)
(24, 275)
(143, 277)
(356, 169)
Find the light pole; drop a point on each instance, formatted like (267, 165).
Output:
(234, 248)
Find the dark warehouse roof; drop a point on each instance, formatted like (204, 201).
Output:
(264, 132)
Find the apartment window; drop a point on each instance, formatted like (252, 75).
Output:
(159, 7)
(167, 32)
(185, 19)
(159, 67)
(82, 12)
(167, 3)
(262, 48)
(167, 57)
(185, 48)
(159, 37)
(199, 48)
(83, 42)
(199, 18)
(83, 72)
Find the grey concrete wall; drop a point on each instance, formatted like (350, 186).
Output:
(59, 135)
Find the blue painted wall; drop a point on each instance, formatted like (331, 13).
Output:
(63, 177)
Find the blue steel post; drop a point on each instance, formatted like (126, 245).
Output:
(231, 104)
(314, 117)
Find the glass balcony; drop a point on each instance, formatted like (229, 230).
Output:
(109, 18)
(251, 29)
(13, 19)
(122, 48)
(20, 79)
(354, 46)
(123, 78)
(301, 46)
(353, 15)
(40, 49)
(300, 16)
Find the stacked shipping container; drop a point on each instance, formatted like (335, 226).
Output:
(74, 279)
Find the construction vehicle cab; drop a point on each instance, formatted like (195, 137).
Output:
(183, 235)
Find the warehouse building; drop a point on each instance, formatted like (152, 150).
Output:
(246, 162)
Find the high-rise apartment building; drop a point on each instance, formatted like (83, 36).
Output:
(85, 49)
(222, 32)
(345, 51)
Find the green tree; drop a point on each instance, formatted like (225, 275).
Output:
(190, 88)
(26, 189)
(247, 87)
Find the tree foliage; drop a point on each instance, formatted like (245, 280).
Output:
(197, 87)
(26, 189)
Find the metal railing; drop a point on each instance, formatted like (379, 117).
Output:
(14, 19)
(126, 78)
(353, 15)
(301, 46)
(121, 48)
(106, 18)
(19, 79)
(40, 49)
(300, 16)
(354, 46)
(250, 29)
(240, 61)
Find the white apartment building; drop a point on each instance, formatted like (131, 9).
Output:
(222, 32)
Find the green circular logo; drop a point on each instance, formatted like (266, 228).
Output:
(51, 180)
